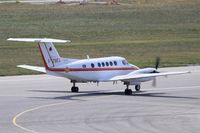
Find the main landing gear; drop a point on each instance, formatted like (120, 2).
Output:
(129, 91)
(137, 87)
(74, 88)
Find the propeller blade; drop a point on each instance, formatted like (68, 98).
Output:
(157, 62)
(154, 82)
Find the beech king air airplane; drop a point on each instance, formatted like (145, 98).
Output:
(106, 69)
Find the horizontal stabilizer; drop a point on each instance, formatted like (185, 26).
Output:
(34, 68)
(37, 40)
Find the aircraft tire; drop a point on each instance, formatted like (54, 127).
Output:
(74, 89)
(128, 92)
(137, 87)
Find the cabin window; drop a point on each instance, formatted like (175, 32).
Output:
(103, 64)
(92, 65)
(115, 63)
(111, 64)
(84, 66)
(99, 64)
(107, 64)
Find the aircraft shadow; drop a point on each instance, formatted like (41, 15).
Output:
(75, 96)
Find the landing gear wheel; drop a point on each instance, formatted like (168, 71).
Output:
(74, 89)
(128, 92)
(137, 87)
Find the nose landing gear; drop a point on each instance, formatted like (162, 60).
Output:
(137, 88)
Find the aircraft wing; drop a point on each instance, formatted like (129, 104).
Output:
(35, 68)
(132, 76)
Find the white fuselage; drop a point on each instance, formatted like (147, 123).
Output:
(91, 70)
(94, 70)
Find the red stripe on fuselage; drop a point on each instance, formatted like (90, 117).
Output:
(89, 69)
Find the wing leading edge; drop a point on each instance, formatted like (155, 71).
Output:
(132, 76)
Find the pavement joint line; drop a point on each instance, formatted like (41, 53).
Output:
(145, 89)
(157, 89)
(172, 88)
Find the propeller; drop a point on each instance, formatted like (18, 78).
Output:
(157, 63)
(154, 82)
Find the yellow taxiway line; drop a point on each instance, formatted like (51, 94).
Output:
(14, 120)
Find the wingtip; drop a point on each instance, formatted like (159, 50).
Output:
(9, 39)
(20, 65)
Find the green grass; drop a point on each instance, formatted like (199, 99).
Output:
(135, 32)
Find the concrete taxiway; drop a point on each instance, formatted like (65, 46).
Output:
(44, 104)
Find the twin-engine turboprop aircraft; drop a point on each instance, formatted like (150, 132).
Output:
(106, 69)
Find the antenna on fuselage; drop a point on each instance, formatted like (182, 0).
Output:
(88, 57)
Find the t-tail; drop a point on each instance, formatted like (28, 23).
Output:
(48, 51)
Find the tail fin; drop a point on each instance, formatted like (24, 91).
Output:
(48, 51)
(50, 55)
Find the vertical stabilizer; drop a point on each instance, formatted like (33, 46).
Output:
(50, 55)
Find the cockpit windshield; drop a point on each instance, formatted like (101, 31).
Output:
(124, 62)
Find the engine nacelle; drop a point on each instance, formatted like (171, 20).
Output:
(142, 71)
(146, 70)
